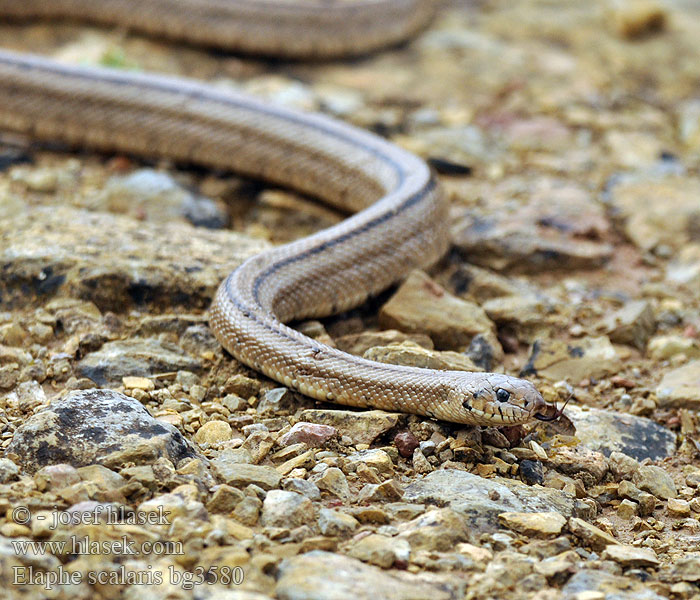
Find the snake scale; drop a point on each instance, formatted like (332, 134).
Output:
(400, 219)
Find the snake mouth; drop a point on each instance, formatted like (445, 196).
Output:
(500, 418)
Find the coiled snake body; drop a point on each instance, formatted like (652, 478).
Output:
(400, 221)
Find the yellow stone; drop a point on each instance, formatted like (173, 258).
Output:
(540, 524)
(678, 508)
(213, 432)
(138, 383)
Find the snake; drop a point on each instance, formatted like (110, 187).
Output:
(398, 219)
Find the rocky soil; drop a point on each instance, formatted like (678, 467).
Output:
(150, 464)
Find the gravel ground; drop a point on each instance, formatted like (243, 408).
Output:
(567, 136)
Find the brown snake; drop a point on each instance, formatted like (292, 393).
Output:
(401, 220)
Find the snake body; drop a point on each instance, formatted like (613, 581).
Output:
(400, 221)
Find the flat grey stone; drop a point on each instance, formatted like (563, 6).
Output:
(135, 357)
(322, 575)
(114, 261)
(471, 496)
(613, 586)
(241, 475)
(607, 432)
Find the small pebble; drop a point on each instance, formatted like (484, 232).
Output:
(313, 434)
(627, 509)
(678, 508)
(406, 443)
(213, 432)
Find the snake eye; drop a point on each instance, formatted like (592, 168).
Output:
(502, 395)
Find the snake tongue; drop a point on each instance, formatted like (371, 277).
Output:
(558, 412)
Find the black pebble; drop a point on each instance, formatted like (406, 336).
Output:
(531, 472)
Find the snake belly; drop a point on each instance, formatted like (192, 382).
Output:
(400, 219)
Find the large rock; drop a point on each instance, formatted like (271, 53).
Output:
(545, 233)
(361, 427)
(359, 343)
(482, 500)
(481, 285)
(607, 432)
(334, 482)
(556, 360)
(421, 305)
(325, 576)
(96, 426)
(411, 354)
(525, 315)
(587, 465)
(608, 586)
(632, 324)
(375, 458)
(681, 387)
(135, 357)
(114, 261)
(657, 212)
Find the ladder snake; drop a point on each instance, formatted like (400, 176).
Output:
(400, 219)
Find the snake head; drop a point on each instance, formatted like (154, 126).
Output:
(495, 400)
